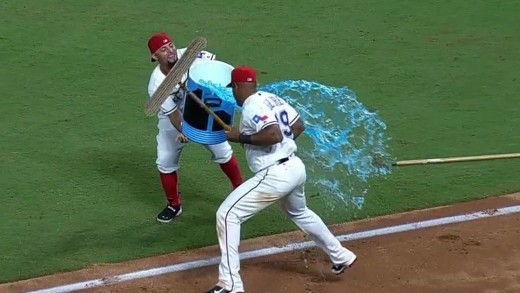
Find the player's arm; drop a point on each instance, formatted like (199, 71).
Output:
(170, 109)
(264, 125)
(269, 135)
(297, 128)
(176, 119)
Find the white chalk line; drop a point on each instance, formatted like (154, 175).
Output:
(110, 280)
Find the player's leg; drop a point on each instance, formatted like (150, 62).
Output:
(168, 154)
(222, 154)
(295, 206)
(251, 197)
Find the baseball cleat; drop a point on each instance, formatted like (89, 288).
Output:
(218, 289)
(169, 213)
(340, 268)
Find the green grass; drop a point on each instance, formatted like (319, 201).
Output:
(77, 172)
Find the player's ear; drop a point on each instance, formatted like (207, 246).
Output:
(154, 57)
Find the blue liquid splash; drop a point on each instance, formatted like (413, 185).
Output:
(341, 141)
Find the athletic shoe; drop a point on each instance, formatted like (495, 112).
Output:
(218, 289)
(169, 213)
(340, 268)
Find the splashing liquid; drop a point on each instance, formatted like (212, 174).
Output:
(341, 140)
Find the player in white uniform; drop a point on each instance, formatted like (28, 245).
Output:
(170, 140)
(268, 128)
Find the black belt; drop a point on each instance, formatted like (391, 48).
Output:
(281, 161)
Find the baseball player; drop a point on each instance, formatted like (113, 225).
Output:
(170, 140)
(268, 128)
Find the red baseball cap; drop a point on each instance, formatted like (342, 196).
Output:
(243, 73)
(158, 40)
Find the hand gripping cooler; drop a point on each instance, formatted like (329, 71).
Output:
(198, 125)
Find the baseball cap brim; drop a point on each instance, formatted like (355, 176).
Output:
(230, 84)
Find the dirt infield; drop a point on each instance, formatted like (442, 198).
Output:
(481, 255)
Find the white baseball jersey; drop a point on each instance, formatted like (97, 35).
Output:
(259, 111)
(176, 99)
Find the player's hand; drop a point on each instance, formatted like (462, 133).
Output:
(182, 138)
(232, 134)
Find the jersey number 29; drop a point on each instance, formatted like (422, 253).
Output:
(283, 119)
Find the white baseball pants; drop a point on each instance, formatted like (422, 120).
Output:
(284, 182)
(169, 151)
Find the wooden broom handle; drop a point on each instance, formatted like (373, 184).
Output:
(456, 159)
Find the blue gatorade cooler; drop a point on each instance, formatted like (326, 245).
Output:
(198, 125)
